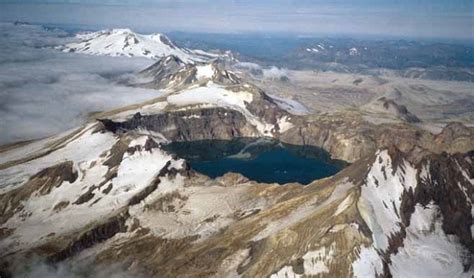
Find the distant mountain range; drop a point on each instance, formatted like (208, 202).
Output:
(404, 58)
(391, 54)
(394, 57)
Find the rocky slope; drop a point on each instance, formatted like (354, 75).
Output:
(118, 202)
(173, 73)
(106, 199)
(201, 101)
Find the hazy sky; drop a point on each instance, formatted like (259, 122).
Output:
(412, 18)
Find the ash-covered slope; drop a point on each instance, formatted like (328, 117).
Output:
(390, 107)
(124, 42)
(91, 201)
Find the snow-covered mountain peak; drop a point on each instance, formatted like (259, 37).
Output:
(125, 42)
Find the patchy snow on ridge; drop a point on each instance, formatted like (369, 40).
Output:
(381, 197)
(92, 196)
(213, 94)
(216, 95)
(314, 263)
(81, 149)
(427, 251)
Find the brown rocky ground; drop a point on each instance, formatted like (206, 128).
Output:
(106, 199)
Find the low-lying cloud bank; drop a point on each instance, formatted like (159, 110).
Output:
(38, 267)
(272, 73)
(44, 91)
(275, 73)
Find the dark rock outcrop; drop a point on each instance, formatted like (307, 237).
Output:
(449, 188)
(168, 70)
(41, 183)
(187, 125)
(400, 111)
(91, 237)
(445, 181)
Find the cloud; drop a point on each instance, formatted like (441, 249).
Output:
(275, 73)
(39, 268)
(44, 91)
(272, 73)
(254, 69)
(248, 65)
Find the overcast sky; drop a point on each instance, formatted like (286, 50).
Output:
(408, 18)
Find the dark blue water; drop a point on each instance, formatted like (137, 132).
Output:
(269, 163)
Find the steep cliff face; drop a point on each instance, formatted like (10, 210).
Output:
(348, 137)
(138, 210)
(189, 125)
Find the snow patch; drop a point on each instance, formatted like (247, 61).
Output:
(205, 71)
(211, 94)
(353, 51)
(284, 124)
(344, 205)
(286, 272)
(314, 263)
(292, 106)
(368, 264)
(428, 246)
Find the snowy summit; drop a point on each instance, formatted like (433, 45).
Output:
(125, 42)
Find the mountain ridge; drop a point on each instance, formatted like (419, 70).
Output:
(125, 42)
(341, 217)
